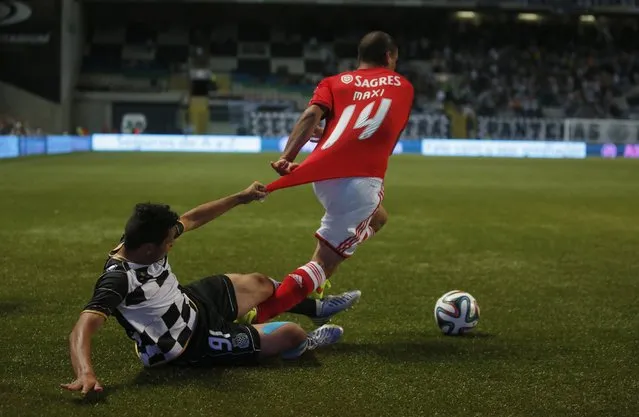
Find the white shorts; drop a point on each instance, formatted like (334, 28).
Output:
(350, 204)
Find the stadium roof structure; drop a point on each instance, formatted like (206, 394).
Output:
(553, 6)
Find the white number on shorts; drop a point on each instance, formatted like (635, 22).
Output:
(218, 343)
(363, 121)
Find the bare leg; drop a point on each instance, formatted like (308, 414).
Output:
(328, 259)
(250, 290)
(379, 219)
(307, 278)
(286, 337)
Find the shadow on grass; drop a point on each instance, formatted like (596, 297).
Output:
(442, 348)
(477, 335)
(472, 347)
(12, 307)
(211, 377)
(93, 398)
(403, 349)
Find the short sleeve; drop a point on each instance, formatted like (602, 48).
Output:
(110, 290)
(323, 96)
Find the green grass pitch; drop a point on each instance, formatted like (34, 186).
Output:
(550, 249)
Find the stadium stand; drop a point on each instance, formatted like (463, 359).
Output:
(501, 65)
(11, 126)
(556, 67)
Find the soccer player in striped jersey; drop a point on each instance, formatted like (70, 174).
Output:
(191, 325)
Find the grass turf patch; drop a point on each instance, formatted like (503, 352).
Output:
(548, 248)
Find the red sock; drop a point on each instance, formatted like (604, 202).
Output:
(294, 288)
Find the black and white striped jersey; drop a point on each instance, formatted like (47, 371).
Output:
(149, 303)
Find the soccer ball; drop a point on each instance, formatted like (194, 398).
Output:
(456, 312)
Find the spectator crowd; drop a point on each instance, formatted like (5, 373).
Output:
(11, 126)
(520, 69)
(589, 72)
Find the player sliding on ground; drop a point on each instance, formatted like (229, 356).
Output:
(192, 324)
(365, 110)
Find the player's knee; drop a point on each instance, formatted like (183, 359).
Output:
(379, 219)
(285, 337)
(293, 335)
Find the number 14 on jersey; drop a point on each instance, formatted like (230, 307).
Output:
(364, 121)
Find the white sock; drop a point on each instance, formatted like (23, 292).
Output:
(316, 272)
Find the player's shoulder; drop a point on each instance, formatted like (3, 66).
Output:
(406, 87)
(341, 78)
(114, 277)
(392, 77)
(115, 266)
(358, 78)
(404, 81)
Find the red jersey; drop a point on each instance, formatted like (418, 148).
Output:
(367, 112)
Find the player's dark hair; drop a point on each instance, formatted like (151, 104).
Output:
(149, 223)
(373, 47)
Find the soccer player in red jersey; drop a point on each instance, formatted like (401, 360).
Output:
(365, 111)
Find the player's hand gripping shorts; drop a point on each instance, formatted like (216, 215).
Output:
(350, 204)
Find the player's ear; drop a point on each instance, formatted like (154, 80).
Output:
(389, 58)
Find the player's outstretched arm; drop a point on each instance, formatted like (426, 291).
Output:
(201, 215)
(80, 349)
(306, 126)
